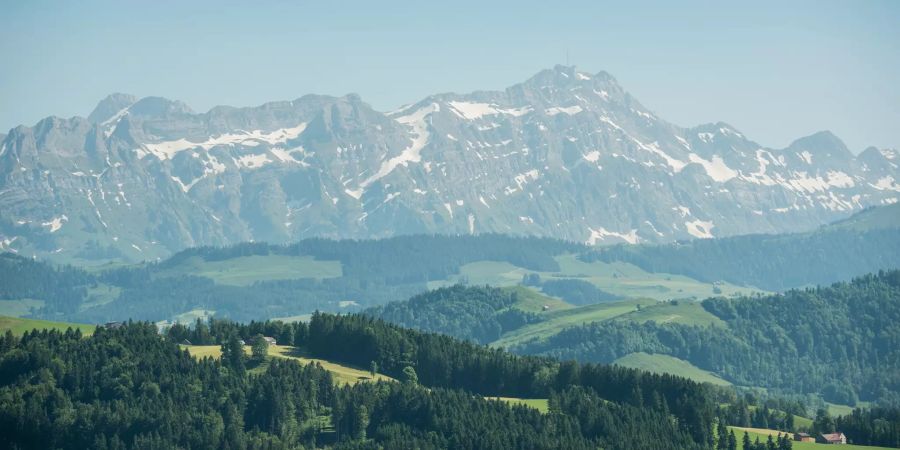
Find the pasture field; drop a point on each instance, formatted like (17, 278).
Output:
(534, 301)
(19, 326)
(685, 313)
(671, 365)
(764, 434)
(246, 270)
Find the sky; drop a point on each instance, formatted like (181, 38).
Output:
(776, 71)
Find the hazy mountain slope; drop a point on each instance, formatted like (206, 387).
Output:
(563, 154)
(866, 242)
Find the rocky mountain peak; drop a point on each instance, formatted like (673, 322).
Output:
(566, 153)
(111, 106)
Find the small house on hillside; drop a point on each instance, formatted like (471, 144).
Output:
(803, 437)
(112, 325)
(832, 438)
(270, 340)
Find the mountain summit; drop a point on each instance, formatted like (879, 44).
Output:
(566, 154)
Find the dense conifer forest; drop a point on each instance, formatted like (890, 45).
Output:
(131, 388)
(481, 314)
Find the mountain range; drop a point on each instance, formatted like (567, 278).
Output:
(565, 154)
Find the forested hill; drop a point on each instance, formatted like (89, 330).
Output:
(842, 341)
(770, 262)
(481, 314)
(131, 388)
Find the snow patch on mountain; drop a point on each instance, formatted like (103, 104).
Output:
(806, 156)
(473, 110)
(411, 154)
(700, 228)
(55, 223)
(601, 234)
(168, 149)
(886, 184)
(570, 110)
(716, 169)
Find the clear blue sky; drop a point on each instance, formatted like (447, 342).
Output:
(776, 70)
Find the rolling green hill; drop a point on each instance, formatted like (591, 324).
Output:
(668, 364)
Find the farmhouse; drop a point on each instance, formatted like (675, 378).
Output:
(112, 325)
(803, 437)
(832, 438)
(270, 340)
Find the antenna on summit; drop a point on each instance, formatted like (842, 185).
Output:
(567, 57)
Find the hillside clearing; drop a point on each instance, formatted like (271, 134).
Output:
(540, 404)
(342, 374)
(685, 313)
(671, 365)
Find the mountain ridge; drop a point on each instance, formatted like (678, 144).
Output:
(565, 154)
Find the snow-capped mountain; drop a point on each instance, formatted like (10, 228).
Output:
(565, 154)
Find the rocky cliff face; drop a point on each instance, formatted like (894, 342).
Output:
(565, 154)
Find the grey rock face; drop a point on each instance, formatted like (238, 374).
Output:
(565, 154)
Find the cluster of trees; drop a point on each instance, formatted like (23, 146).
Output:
(872, 426)
(741, 414)
(841, 341)
(478, 313)
(771, 262)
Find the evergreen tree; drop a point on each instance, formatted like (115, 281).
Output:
(260, 348)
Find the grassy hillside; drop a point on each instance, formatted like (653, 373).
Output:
(685, 313)
(343, 374)
(19, 326)
(531, 300)
(554, 321)
(671, 365)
